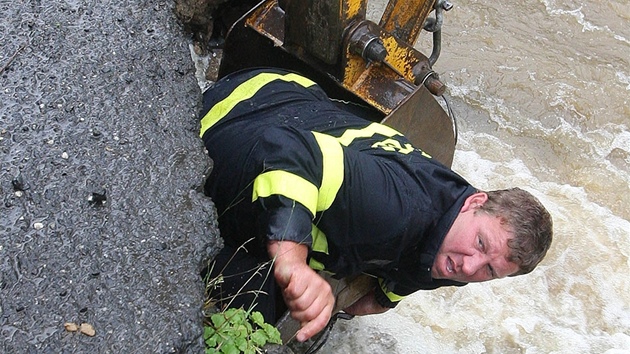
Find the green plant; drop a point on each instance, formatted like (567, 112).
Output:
(235, 331)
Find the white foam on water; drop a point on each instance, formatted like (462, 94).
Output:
(600, 153)
(555, 9)
(621, 38)
(622, 141)
(624, 79)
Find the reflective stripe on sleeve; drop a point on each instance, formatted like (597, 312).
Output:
(390, 295)
(320, 244)
(287, 184)
(315, 264)
(301, 190)
(245, 91)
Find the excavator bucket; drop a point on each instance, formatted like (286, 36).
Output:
(371, 66)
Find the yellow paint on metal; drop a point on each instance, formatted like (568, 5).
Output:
(399, 57)
(405, 18)
(354, 67)
(354, 7)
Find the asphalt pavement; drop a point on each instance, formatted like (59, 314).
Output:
(102, 218)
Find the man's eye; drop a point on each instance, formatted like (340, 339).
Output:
(480, 243)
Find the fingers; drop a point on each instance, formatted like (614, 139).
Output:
(310, 304)
(314, 326)
(282, 275)
(310, 300)
(295, 288)
(307, 295)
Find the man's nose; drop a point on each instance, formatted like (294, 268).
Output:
(472, 264)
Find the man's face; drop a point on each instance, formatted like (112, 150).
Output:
(475, 248)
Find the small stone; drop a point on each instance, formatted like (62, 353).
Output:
(18, 183)
(98, 197)
(87, 329)
(64, 155)
(71, 327)
(19, 194)
(38, 226)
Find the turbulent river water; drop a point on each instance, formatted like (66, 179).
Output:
(541, 89)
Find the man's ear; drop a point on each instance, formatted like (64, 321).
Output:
(474, 201)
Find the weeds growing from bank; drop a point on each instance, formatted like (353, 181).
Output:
(234, 331)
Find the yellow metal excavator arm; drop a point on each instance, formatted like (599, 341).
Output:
(354, 59)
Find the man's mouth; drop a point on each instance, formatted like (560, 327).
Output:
(449, 265)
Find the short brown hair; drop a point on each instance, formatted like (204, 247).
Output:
(529, 222)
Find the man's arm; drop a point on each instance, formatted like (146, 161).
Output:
(307, 295)
(367, 305)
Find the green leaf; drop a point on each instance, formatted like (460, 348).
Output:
(249, 327)
(241, 343)
(208, 331)
(238, 317)
(230, 349)
(257, 318)
(241, 331)
(272, 333)
(259, 338)
(211, 341)
(218, 319)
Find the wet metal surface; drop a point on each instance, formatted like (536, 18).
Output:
(101, 220)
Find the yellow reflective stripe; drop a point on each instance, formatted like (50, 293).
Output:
(288, 185)
(395, 145)
(320, 242)
(245, 91)
(390, 295)
(332, 170)
(315, 264)
(375, 128)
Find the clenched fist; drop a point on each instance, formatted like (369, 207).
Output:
(307, 295)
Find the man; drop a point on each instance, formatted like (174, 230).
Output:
(307, 186)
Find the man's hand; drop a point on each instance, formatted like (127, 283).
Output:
(367, 305)
(307, 295)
